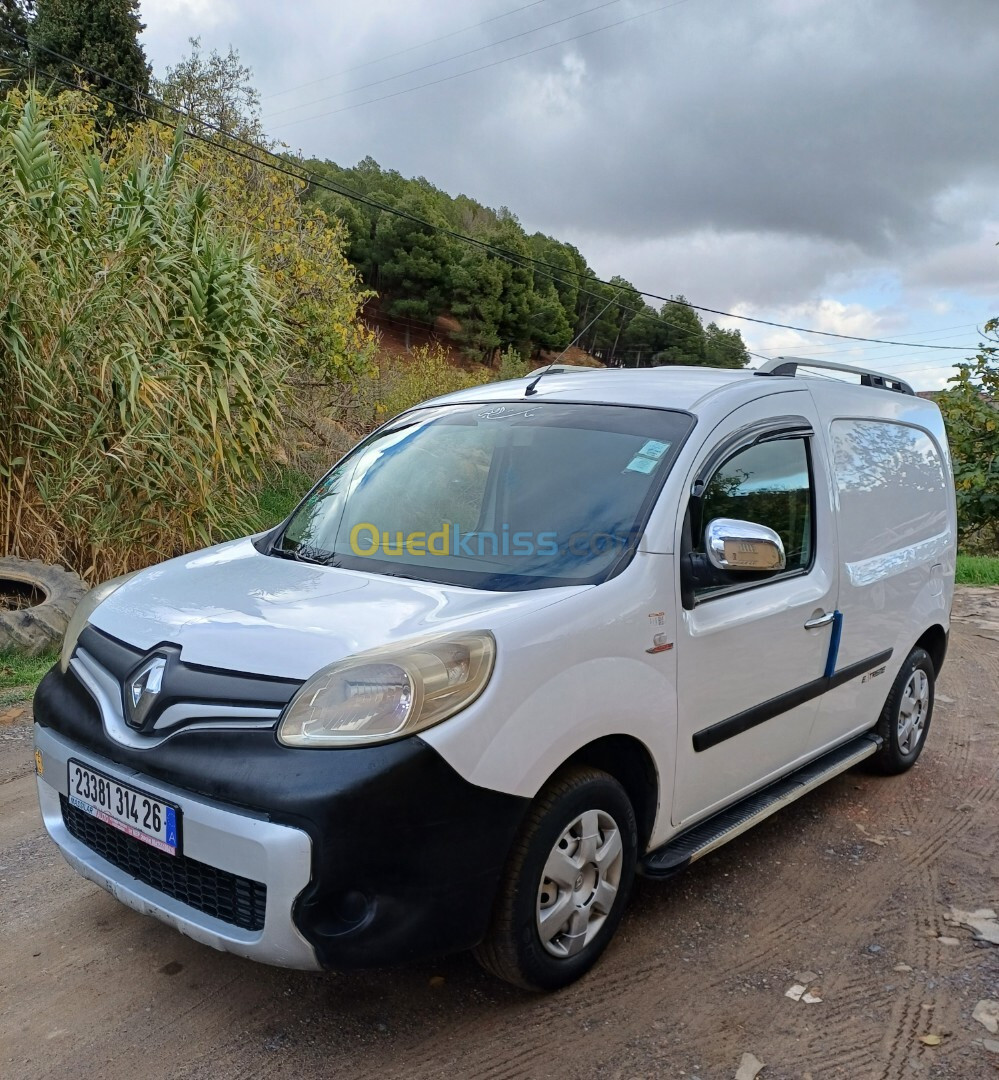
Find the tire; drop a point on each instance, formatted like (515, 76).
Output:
(36, 603)
(591, 893)
(905, 720)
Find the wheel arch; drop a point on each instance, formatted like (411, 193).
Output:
(630, 762)
(934, 641)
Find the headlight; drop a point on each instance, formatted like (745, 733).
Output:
(389, 692)
(84, 609)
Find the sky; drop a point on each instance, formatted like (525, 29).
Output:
(824, 163)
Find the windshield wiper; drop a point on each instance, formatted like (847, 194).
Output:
(296, 555)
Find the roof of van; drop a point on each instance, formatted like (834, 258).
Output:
(666, 387)
(686, 388)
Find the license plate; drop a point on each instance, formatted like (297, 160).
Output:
(134, 812)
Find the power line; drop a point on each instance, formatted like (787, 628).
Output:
(446, 60)
(834, 349)
(822, 333)
(484, 67)
(281, 165)
(402, 52)
(922, 364)
(522, 261)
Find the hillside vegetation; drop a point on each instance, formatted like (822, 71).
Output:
(503, 302)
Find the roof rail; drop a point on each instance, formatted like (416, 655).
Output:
(788, 365)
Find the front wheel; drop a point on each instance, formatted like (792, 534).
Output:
(566, 883)
(905, 719)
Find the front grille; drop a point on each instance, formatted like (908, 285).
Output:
(225, 896)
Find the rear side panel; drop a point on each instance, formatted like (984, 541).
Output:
(896, 530)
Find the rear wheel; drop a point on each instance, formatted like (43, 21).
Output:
(905, 719)
(566, 884)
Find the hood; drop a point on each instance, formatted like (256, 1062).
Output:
(231, 607)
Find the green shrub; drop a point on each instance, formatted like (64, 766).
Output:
(426, 374)
(512, 364)
(970, 407)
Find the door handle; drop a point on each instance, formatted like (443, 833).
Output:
(820, 620)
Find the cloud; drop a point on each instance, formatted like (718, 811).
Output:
(843, 123)
(194, 14)
(724, 269)
(972, 266)
(780, 158)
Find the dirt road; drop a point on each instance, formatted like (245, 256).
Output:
(851, 884)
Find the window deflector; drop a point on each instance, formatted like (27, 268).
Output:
(774, 429)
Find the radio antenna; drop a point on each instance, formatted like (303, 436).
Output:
(532, 389)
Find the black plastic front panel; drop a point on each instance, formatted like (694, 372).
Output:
(406, 853)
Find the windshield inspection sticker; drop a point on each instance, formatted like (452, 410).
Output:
(641, 464)
(654, 449)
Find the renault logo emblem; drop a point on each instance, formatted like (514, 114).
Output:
(142, 690)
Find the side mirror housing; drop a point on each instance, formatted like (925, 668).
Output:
(736, 545)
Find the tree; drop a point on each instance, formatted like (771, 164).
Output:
(627, 303)
(600, 329)
(102, 35)
(643, 338)
(476, 291)
(970, 408)
(548, 324)
(724, 348)
(684, 334)
(15, 21)
(411, 260)
(517, 298)
(358, 221)
(541, 298)
(562, 279)
(215, 88)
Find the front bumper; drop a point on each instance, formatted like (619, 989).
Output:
(397, 857)
(248, 847)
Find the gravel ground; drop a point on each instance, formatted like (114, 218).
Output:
(849, 889)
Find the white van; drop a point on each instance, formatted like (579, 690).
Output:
(520, 643)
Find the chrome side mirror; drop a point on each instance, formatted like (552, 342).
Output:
(743, 545)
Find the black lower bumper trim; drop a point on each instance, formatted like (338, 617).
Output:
(233, 899)
(407, 854)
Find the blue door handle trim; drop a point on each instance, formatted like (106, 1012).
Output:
(834, 639)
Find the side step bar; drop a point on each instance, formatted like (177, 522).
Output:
(688, 847)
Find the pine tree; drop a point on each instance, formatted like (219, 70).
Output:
(15, 20)
(101, 35)
(412, 260)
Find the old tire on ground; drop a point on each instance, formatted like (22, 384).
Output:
(566, 883)
(36, 603)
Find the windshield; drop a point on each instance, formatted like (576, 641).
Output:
(495, 496)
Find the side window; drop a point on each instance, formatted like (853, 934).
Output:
(769, 484)
(893, 487)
